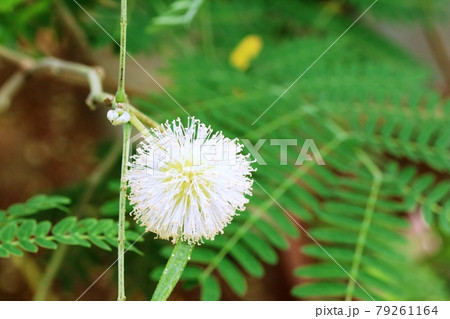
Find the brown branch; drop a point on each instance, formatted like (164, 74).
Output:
(10, 88)
(79, 44)
(27, 65)
(19, 59)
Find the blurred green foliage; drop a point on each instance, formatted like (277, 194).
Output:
(366, 104)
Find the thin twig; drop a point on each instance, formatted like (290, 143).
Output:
(122, 210)
(10, 88)
(30, 271)
(22, 60)
(120, 95)
(45, 281)
(121, 98)
(97, 97)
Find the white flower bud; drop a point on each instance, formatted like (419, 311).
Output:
(118, 116)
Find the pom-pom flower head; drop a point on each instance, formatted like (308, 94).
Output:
(187, 182)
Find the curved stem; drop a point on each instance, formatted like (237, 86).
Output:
(172, 273)
(60, 68)
(50, 273)
(10, 88)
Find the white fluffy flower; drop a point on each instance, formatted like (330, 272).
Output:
(187, 182)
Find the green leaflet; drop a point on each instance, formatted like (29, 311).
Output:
(19, 232)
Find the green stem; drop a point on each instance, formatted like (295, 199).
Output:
(139, 125)
(135, 113)
(122, 210)
(121, 98)
(368, 214)
(50, 272)
(120, 95)
(172, 273)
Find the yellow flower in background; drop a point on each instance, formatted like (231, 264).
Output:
(246, 51)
